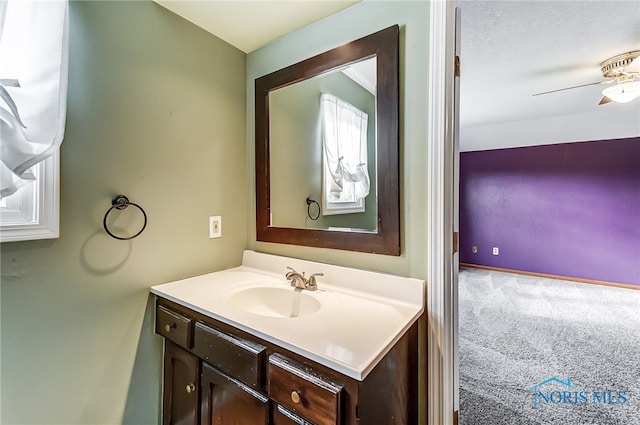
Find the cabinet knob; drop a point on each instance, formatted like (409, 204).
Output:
(191, 388)
(167, 328)
(295, 397)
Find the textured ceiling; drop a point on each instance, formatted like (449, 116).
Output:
(513, 49)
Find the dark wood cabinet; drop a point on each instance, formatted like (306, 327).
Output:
(227, 401)
(181, 398)
(216, 374)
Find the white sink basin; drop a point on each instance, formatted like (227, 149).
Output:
(275, 302)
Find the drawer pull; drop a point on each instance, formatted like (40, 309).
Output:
(295, 397)
(191, 388)
(168, 328)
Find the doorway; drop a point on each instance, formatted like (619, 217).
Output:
(454, 283)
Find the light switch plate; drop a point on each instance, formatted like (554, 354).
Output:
(215, 226)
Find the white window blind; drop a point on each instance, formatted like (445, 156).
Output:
(33, 75)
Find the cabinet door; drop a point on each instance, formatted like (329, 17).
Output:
(181, 386)
(230, 402)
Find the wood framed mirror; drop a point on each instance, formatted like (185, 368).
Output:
(295, 177)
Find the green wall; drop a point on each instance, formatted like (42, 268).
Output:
(347, 25)
(156, 110)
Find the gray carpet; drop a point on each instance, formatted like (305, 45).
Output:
(517, 332)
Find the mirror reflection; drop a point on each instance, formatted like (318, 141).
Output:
(327, 140)
(322, 134)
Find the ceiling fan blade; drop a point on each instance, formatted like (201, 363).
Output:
(574, 87)
(604, 100)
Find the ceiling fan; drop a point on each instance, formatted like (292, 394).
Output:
(624, 71)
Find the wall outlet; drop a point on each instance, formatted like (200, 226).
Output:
(215, 226)
(474, 249)
(496, 250)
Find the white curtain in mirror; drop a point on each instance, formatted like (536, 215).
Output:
(34, 48)
(344, 137)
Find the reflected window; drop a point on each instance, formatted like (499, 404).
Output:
(345, 178)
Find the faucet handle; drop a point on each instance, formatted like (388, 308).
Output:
(312, 280)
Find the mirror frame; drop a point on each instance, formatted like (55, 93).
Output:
(384, 45)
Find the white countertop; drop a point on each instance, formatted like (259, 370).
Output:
(362, 313)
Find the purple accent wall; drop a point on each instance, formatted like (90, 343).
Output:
(571, 209)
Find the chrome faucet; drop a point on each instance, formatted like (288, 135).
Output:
(299, 281)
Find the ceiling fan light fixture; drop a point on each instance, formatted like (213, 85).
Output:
(617, 65)
(623, 92)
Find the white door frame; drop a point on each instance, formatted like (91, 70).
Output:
(440, 216)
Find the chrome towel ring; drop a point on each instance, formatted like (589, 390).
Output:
(121, 202)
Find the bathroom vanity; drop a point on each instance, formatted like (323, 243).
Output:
(244, 347)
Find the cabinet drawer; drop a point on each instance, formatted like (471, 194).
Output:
(174, 326)
(304, 392)
(237, 357)
(282, 416)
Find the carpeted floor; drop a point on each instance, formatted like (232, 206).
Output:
(544, 351)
